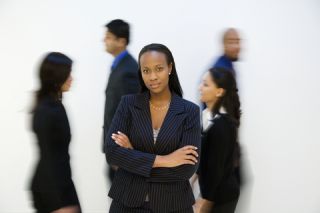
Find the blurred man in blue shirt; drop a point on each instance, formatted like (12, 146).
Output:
(123, 78)
(231, 44)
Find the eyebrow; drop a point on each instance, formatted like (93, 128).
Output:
(154, 65)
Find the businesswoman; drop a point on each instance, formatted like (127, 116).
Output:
(218, 180)
(51, 185)
(154, 141)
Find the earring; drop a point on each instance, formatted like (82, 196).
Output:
(169, 73)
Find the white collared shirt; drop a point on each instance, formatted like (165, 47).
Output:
(207, 118)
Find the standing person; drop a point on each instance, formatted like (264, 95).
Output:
(51, 185)
(123, 78)
(153, 139)
(218, 180)
(231, 46)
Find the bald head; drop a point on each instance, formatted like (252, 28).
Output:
(231, 43)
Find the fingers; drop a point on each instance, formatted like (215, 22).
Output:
(191, 158)
(189, 155)
(119, 138)
(188, 147)
(190, 162)
(120, 143)
(122, 134)
(190, 150)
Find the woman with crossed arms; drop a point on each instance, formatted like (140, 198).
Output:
(153, 140)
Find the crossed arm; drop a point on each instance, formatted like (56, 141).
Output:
(176, 166)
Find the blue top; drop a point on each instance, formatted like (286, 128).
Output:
(118, 58)
(224, 62)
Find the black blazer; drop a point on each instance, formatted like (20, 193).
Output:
(51, 126)
(123, 80)
(167, 188)
(217, 179)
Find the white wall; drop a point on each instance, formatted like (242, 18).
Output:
(278, 77)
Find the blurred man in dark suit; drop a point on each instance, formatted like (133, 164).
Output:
(123, 78)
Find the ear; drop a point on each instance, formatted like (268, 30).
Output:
(170, 68)
(122, 42)
(220, 93)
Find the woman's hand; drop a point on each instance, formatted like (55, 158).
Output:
(122, 140)
(184, 155)
(203, 206)
(68, 209)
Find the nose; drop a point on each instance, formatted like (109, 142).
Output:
(153, 76)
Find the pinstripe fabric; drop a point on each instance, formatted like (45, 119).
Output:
(168, 188)
(119, 208)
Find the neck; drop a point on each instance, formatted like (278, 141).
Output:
(210, 105)
(230, 57)
(117, 52)
(161, 98)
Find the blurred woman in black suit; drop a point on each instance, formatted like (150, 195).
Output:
(217, 173)
(51, 185)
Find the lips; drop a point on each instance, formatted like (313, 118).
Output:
(154, 86)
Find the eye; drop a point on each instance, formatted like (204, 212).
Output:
(145, 71)
(158, 69)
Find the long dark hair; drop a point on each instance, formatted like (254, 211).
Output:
(54, 71)
(174, 84)
(230, 100)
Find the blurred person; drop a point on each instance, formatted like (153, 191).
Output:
(231, 51)
(218, 180)
(123, 78)
(51, 185)
(153, 139)
(231, 46)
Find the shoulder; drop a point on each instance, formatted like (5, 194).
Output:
(129, 60)
(188, 106)
(223, 123)
(49, 107)
(47, 113)
(222, 61)
(129, 99)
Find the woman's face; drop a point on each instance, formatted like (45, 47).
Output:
(209, 91)
(67, 84)
(155, 71)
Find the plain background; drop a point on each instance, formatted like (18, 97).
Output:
(278, 78)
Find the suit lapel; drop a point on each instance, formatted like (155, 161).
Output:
(144, 118)
(172, 122)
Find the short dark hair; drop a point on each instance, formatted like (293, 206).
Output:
(174, 84)
(119, 28)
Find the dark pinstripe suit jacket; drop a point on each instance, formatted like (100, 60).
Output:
(167, 188)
